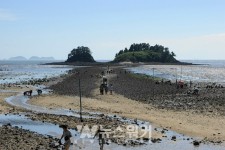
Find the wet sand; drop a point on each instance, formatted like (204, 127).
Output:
(165, 96)
(101, 119)
(89, 78)
(13, 137)
(188, 123)
(3, 107)
(8, 92)
(185, 121)
(133, 100)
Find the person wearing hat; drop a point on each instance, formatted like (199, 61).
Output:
(66, 135)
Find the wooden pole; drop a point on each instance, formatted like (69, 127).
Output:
(181, 71)
(153, 83)
(80, 103)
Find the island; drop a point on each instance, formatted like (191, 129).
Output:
(18, 58)
(143, 52)
(80, 54)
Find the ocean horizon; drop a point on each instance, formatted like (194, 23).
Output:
(207, 71)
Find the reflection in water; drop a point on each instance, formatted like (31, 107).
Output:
(19, 71)
(90, 144)
(196, 73)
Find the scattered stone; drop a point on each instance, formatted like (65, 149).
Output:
(174, 138)
(158, 140)
(196, 143)
(12, 139)
(101, 115)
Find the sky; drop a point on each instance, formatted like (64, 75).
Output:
(192, 29)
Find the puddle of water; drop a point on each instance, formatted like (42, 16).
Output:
(85, 144)
(53, 130)
(47, 129)
(7, 91)
(35, 126)
(21, 101)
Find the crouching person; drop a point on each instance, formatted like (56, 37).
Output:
(66, 135)
(39, 92)
(28, 93)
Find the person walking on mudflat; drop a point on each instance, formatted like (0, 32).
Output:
(66, 135)
(106, 89)
(111, 89)
(101, 89)
(102, 136)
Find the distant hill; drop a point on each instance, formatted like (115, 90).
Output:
(41, 58)
(33, 58)
(143, 52)
(18, 58)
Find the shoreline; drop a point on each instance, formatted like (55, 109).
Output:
(196, 125)
(117, 63)
(72, 121)
(207, 126)
(14, 137)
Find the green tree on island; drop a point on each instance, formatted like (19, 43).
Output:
(143, 52)
(80, 54)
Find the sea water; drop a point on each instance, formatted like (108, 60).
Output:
(53, 130)
(205, 71)
(19, 71)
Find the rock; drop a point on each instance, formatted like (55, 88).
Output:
(196, 143)
(146, 139)
(174, 138)
(156, 140)
(101, 115)
(9, 124)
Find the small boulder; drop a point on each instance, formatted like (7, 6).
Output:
(174, 138)
(196, 143)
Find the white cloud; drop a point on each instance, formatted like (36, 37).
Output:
(6, 15)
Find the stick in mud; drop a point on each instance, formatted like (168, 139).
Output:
(81, 120)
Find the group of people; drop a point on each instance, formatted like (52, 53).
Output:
(67, 135)
(29, 93)
(105, 88)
